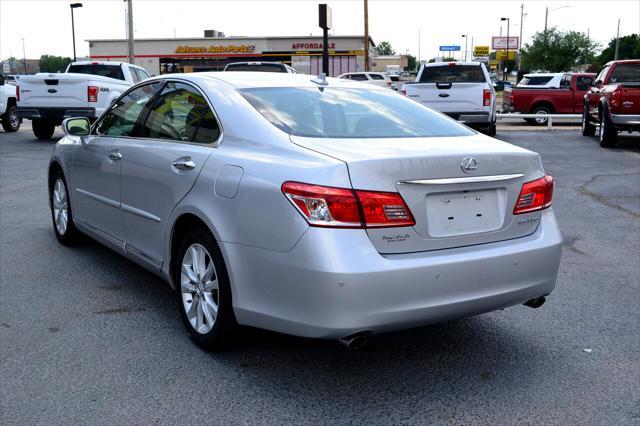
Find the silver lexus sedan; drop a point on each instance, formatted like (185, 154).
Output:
(316, 207)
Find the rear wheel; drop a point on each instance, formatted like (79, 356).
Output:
(10, 120)
(63, 226)
(588, 129)
(204, 292)
(491, 130)
(607, 134)
(43, 129)
(541, 111)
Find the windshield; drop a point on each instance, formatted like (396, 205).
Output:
(111, 71)
(452, 74)
(256, 67)
(349, 113)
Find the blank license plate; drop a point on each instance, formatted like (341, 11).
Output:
(460, 213)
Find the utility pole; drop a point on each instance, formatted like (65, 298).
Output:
(546, 15)
(520, 40)
(73, 27)
(324, 22)
(130, 30)
(465, 46)
(615, 58)
(366, 35)
(506, 51)
(24, 56)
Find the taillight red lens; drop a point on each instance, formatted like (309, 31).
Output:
(346, 208)
(535, 195)
(92, 93)
(486, 97)
(17, 93)
(616, 97)
(403, 91)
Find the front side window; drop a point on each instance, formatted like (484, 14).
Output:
(134, 76)
(349, 113)
(121, 119)
(602, 73)
(181, 113)
(142, 74)
(452, 74)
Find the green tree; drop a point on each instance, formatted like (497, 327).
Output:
(412, 63)
(629, 49)
(557, 51)
(384, 48)
(49, 63)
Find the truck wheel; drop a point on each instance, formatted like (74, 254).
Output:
(541, 110)
(491, 130)
(43, 129)
(608, 133)
(10, 120)
(588, 129)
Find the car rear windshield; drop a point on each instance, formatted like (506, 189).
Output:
(349, 113)
(452, 73)
(111, 71)
(534, 81)
(255, 67)
(625, 73)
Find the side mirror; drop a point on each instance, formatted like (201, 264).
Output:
(76, 126)
(598, 83)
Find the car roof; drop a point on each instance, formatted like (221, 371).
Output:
(256, 79)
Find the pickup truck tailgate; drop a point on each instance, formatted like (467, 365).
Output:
(54, 90)
(449, 97)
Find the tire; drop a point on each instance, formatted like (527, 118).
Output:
(61, 215)
(203, 292)
(608, 133)
(542, 110)
(43, 129)
(491, 130)
(10, 120)
(588, 129)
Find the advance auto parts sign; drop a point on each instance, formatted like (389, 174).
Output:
(242, 48)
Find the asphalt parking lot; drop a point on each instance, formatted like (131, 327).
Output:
(89, 337)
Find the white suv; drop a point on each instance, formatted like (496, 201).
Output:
(376, 78)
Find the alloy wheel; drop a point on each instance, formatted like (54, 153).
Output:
(60, 206)
(199, 288)
(14, 120)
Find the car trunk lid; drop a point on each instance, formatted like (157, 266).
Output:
(451, 207)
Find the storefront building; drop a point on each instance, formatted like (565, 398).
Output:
(166, 55)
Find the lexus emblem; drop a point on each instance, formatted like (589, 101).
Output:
(468, 164)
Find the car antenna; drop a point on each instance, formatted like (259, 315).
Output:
(321, 79)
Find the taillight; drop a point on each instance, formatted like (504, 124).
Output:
(403, 91)
(17, 93)
(535, 195)
(616, 97)
(346, 208)
(92, 93)
(486, 97)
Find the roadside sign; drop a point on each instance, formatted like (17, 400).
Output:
(500, 43)
(481, 51)
(6, 67)
(501, 55)
(493, 62)
(450, 48)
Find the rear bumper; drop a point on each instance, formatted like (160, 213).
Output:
(333, 283)
(56, 114)
(471, 117)
(626, 119)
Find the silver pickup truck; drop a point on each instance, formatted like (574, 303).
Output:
(462, 90)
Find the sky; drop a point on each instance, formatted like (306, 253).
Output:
(46, 25)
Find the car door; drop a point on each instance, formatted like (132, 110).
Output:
(582, 85)
(160, 167)
(564, 102)
(96, 166)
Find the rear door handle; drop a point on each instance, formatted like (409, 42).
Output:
(114, 156)
(444, 95)
(184, 164)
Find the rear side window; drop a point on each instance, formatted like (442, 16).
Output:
(625, 73)
(121, 119)
(256, 67)
(349, 113)
(111, 71)
(181, 113)
(376, 77)
(535, 80)
(452, 74)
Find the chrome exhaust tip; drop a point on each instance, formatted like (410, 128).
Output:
(535, 303)
(354, 342)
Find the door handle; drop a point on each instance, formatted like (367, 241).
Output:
(184, 164)
(114, 156)
(444, 95)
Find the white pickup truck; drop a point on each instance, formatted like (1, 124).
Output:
(8, 115)
(462, 90)
(85, 89)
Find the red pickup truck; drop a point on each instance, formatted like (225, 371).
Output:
(566, 99)
(613, 102)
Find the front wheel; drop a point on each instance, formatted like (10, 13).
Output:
(588, 129)
(204, 292)
(10, 120)
(43, 129)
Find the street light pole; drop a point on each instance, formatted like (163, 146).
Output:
(130, 30)
(366, 35)
(504, 69)
(73, 28)
(465, 46)
(520, 39)
(24, 56)
(615, 57)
